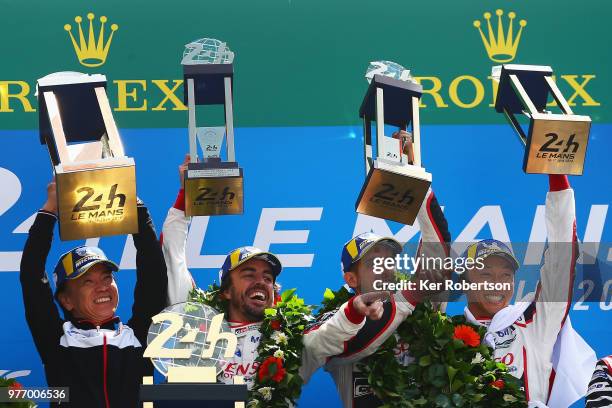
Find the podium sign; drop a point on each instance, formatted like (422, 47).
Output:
(555, 143)
(96, 182)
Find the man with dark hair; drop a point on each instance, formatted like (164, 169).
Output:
(90, 351)
(248, 282)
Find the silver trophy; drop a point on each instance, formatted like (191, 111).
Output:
(212, 186)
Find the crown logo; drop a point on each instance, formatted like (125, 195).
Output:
(91, 52)
(501, 48)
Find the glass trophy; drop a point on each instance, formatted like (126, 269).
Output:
(190, 344)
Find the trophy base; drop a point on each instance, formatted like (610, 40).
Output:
(393, 192)
(214, 188)
(556, 144)
(96, 198)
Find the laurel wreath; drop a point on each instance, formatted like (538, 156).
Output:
(446, 371)
(277, 383)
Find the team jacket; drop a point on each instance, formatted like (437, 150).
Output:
(342, 357)
(599, 394)
(337, 330)
(526, 346)
(103, 366)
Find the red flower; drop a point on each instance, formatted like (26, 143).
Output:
(15, 386)
(275, 324)
(499, 384)
(467, 335)
(277, 299)
(272, 368)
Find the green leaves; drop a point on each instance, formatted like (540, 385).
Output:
(288, 317)
(445, 372)
(425, 361)
(288, 294)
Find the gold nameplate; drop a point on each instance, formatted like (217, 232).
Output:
(97, 202)
(392, 196)
(557, 144)
(214, 196)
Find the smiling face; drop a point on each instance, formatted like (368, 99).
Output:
(361, 277)
(251, 291)
(92, 296)
(485, 303)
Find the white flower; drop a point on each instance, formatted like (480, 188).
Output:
(279, 354)
(477, 359)
(266, 393)
(509, 398)
(279, 337)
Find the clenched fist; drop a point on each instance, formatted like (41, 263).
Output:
(370, 304)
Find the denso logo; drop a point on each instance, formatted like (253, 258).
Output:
(247, 369)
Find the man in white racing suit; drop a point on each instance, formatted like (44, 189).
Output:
(248, 282)
(524, 334)
(358, 270)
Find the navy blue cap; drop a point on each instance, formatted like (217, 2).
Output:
(357, 247)
(240, 255)
(77, 261)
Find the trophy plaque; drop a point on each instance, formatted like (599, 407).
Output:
(212, 186)
(555, 143)
(96, 182)
(396, 184)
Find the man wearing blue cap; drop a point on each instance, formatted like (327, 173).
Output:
(90, 351)
(358, 266)
(534, 336)
(248, 281)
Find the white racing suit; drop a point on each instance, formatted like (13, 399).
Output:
(337, 330)
(524, 334)
(340, 358)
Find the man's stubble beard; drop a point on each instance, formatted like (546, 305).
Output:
(238, 302)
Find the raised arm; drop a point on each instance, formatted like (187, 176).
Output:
(151, 279)
(40, 310)
(554, 293)
(434, 243)
(174, 240)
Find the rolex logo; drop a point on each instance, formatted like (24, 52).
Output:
(501, 47)
(91, 51)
